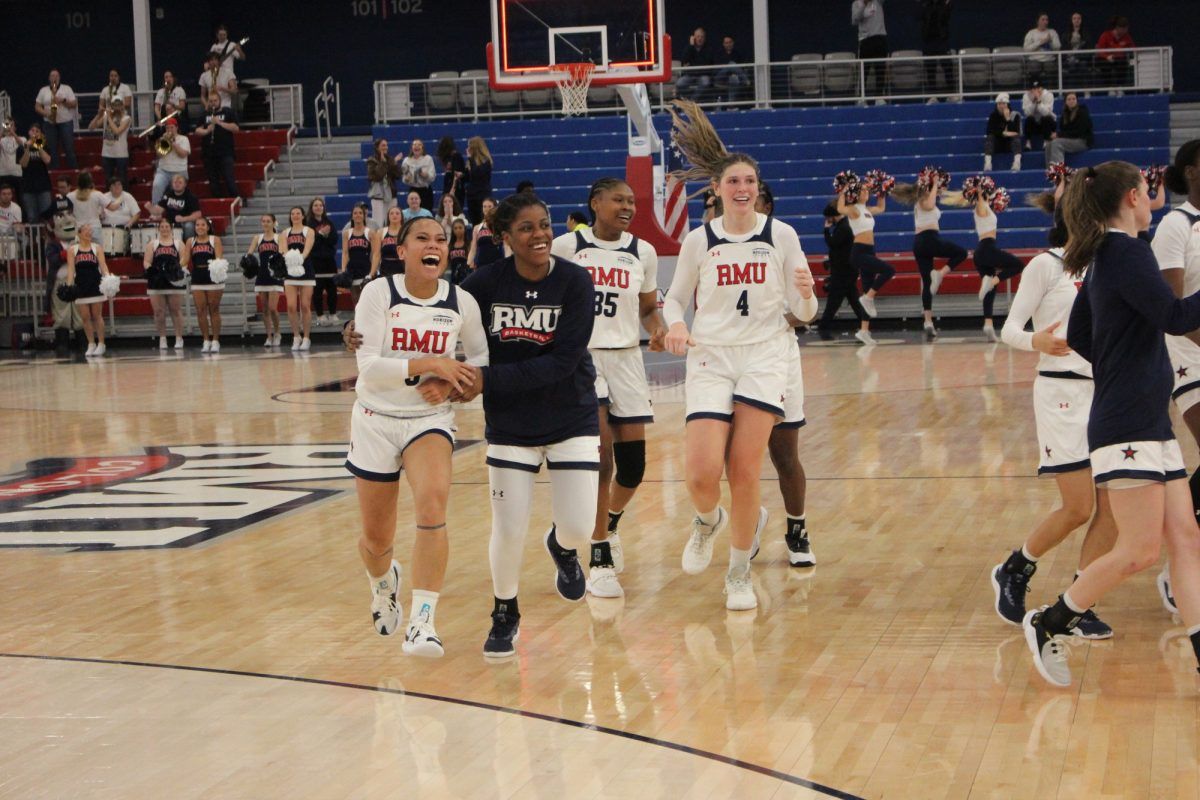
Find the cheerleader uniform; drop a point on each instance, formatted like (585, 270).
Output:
(620, 271)
(202, 253)
(486, 249)
(265, 281)
(87, 274)
(295, 240)
(990, 260)
(324, 267)
(875, 272)
(390, 262)
(161, 286)
(358, 262)
(1177, 246)
(458, 263)
(743, 287)
(928, 244)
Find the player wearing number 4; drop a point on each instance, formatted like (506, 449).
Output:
(624, 270)
(745, 270)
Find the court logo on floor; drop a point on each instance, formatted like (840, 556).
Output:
(167, 497)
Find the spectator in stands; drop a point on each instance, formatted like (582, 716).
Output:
(114, 151)
(1074, 133)
(524, 187)
(87, 204)
(450, 212)
(1040, 120)
(61, 215)
(935, 41)
(1078, 66)
(226, 50)
(56, 105)
(178, 206)
(66, 315)
(1114, 63)
(1003, 133)
(216, 78)
(730, 78)
(1044, 42)
(218, 129)
(867, 15)
(479, 177)
(35, 180)
(113, 90)
(692, 84)
(120, 209)
(454, 170)
(10, 212)
(413, 208)
(577, 221)
(174, 163)
(382, 173)
(418, 173)
(169, 98)
(10, 155)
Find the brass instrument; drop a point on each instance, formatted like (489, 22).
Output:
(158, 124)
(53, 118)
(7, 127)
(163, 145)
(36, 144)
(213, 76)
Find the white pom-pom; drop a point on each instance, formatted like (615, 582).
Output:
(295, 263)
(110, 285)
(218, 270)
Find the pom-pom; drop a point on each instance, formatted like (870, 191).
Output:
(109, 285)
(344, 279)
(218, 270)
(177, 276)
(930, 179)
(249, 265)
(1154, 175)
(879, 182)
(1059, 172)
(978, 186)
(295, 263)
(67, 292)
(277, 266)
(847, 183)
(1000, 200)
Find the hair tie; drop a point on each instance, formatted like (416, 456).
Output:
(1090, 174)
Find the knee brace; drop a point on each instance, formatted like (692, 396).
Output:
(629, 458)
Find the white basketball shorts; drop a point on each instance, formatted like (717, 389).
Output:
(378, 442)
(1061, 407)
(621, 385)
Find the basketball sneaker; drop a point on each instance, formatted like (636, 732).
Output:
(422, 640)
(758, 529)
(1010, 589)
(502, 637)
(698, 552)
(602, 575)
(568, 580)
(618, 554)
(1091, 627)
(1049, 652)
(1163, 582)
(739, 590)
(385, 608)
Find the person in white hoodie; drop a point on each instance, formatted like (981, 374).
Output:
(1040, 120)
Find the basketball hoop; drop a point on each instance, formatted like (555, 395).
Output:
(573, 80)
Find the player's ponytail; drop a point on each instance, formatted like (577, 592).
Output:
(1176, 176)
(1091, 200)
(697, 141)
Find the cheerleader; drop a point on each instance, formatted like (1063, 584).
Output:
(539, 404)
(852, 198)
(1062, 397)
(85, 267)
(744, 270)
(484, 249)
(1117, 323)
(993, 264)
(165, 257)
(201, 249)
(384, 258)
(928, 243)
(298, 290)
(323, 259)
(624, 270)
(402, 421)
(460, 246)
(356, 250)
(267, 287)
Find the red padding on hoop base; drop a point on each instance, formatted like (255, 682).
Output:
(639, 174)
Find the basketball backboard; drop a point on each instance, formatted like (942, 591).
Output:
(624, 39)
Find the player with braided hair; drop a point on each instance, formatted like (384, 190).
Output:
(993, 264)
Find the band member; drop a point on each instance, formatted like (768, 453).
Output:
(114, 124)
(169, 99)
(217, 131)
(57, 106)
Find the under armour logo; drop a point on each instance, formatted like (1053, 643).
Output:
(1129, 453)
(1048, 452)
(530, 294)
(1064, 405)
(1182, 372)
(498, 494)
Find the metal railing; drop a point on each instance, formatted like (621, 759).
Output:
(284, 103)
(5, 106)
(807, 79)
(322, 103)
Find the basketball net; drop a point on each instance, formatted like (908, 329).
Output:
(573, 80)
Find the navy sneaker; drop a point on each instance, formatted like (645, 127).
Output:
(503, 635)
(570, 580)
(1091, 627)
(1010, 589)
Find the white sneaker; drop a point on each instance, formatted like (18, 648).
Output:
(178, 342)
(91, 351)
(215, 347)
(422, 640)
(162, 343)
(618, 555)
(986, 285)
(333, 319)
(602, 582)
(386, 612)
(936, 278)
(987, 163)
(763, 515)
(930, 333)
(269, 341)
(305, 344)
(739, 590)
(698, 552)
(1049, 652)
(989, 333)
(205, 347)
(278, 340)
(100, 349)
(868, 304)
(296, 340)
(1016, 167)
(864, 336)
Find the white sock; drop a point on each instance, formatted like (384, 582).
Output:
(738, 559)
(424, 604)
(379, 581)
(1028, 557)
(709, 518)
(1071, 604)
(1192, 631)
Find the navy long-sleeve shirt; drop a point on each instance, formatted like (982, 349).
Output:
(540, 385)
(1117, 323)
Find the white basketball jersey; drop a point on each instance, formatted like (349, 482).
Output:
(742, 284)
(620, 271)
(396, 325)
(1177, 245)
(1045, 273)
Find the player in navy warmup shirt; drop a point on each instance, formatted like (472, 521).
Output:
(1117, 323)
(539, 403)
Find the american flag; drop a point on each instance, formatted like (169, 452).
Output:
(675, 211)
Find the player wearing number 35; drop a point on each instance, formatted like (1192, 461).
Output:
(746, 270)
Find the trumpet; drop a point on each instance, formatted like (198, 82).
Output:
(160, 123)
(7, 127)
(36, 144)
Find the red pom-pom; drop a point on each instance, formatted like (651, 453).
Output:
(1154, 175)
(1000, 200)
(847, 183)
